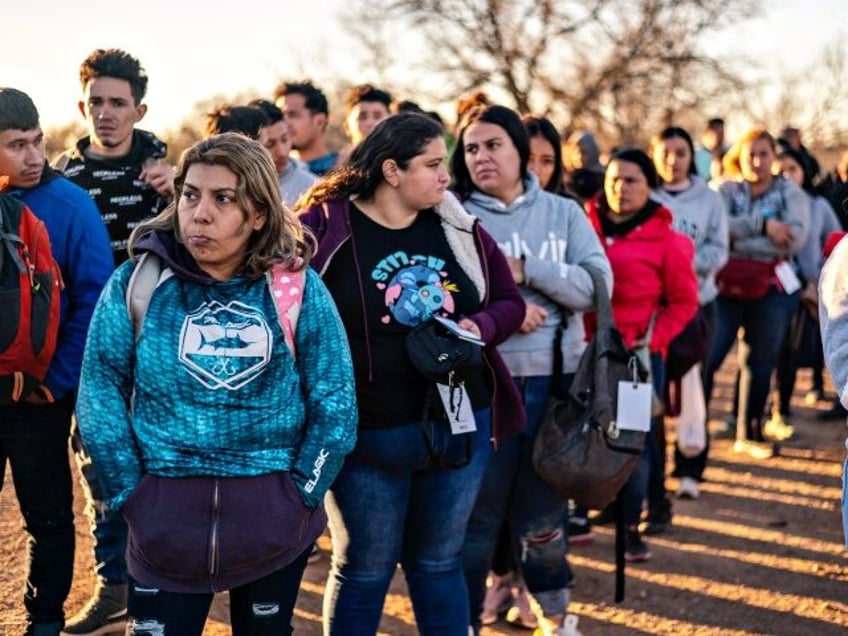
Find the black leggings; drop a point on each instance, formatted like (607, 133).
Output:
(262, 607)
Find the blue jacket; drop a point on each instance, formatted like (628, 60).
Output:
(81, 247)
(210, 388)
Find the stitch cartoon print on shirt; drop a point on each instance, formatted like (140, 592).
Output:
(225, 346)
(416, 287)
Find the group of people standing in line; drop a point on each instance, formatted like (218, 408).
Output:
(263, 389)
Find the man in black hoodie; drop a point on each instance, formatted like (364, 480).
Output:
(122, 169)
(119, 165)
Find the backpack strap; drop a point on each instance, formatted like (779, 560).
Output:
(286, 289)
(146, 277)
(11, 208)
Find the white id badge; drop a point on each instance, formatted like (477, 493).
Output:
(458, 408)
(634, 406)
(787, 277)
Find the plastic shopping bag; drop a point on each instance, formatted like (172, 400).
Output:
(692, 421)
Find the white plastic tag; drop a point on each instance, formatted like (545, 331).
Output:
(458, 408)
(634, 406)
(787, 277)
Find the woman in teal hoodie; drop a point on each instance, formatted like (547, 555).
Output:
(216, 421)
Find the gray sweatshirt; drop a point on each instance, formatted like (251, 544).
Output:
(783, 201)
(554, 237)
(295, 180)
(700, 214)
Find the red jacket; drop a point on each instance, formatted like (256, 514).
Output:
(652, 267)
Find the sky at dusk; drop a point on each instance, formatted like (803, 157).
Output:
(192, 50)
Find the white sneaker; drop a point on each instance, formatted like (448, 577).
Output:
(688, 489)
(777, 428)
(756, 450)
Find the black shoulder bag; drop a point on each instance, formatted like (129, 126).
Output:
(579, 450)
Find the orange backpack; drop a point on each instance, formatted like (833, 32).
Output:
(30, 285)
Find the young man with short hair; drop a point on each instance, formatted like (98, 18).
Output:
(34, 435)
(295, 178)
(306, 113)
(121, 166)
(245, 120)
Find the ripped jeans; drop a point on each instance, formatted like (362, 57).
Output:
(514, 493)
(262, 607)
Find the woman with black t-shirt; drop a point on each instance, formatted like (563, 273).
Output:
(395, 250)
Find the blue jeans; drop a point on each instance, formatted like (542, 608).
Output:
(765, 322)
(107, 526)
(512, 492)
(393, 504)
(262, 607)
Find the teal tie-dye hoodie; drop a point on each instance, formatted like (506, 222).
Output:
(210, 388)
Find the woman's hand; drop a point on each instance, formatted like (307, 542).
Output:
(534, 316)
(779, 233)
(470, 325)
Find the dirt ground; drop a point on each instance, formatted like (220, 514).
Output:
(759, 553)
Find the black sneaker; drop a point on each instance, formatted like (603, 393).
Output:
(636, 550)
(658, 520)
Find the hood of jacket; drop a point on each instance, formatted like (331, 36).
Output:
(695, 191)
(174, 255)
(145, 145)
(526, 199)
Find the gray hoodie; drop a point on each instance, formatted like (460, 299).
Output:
(295, 180)
(700, 214)
(554, 237)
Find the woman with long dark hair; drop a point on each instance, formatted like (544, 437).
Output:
(396, 250)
